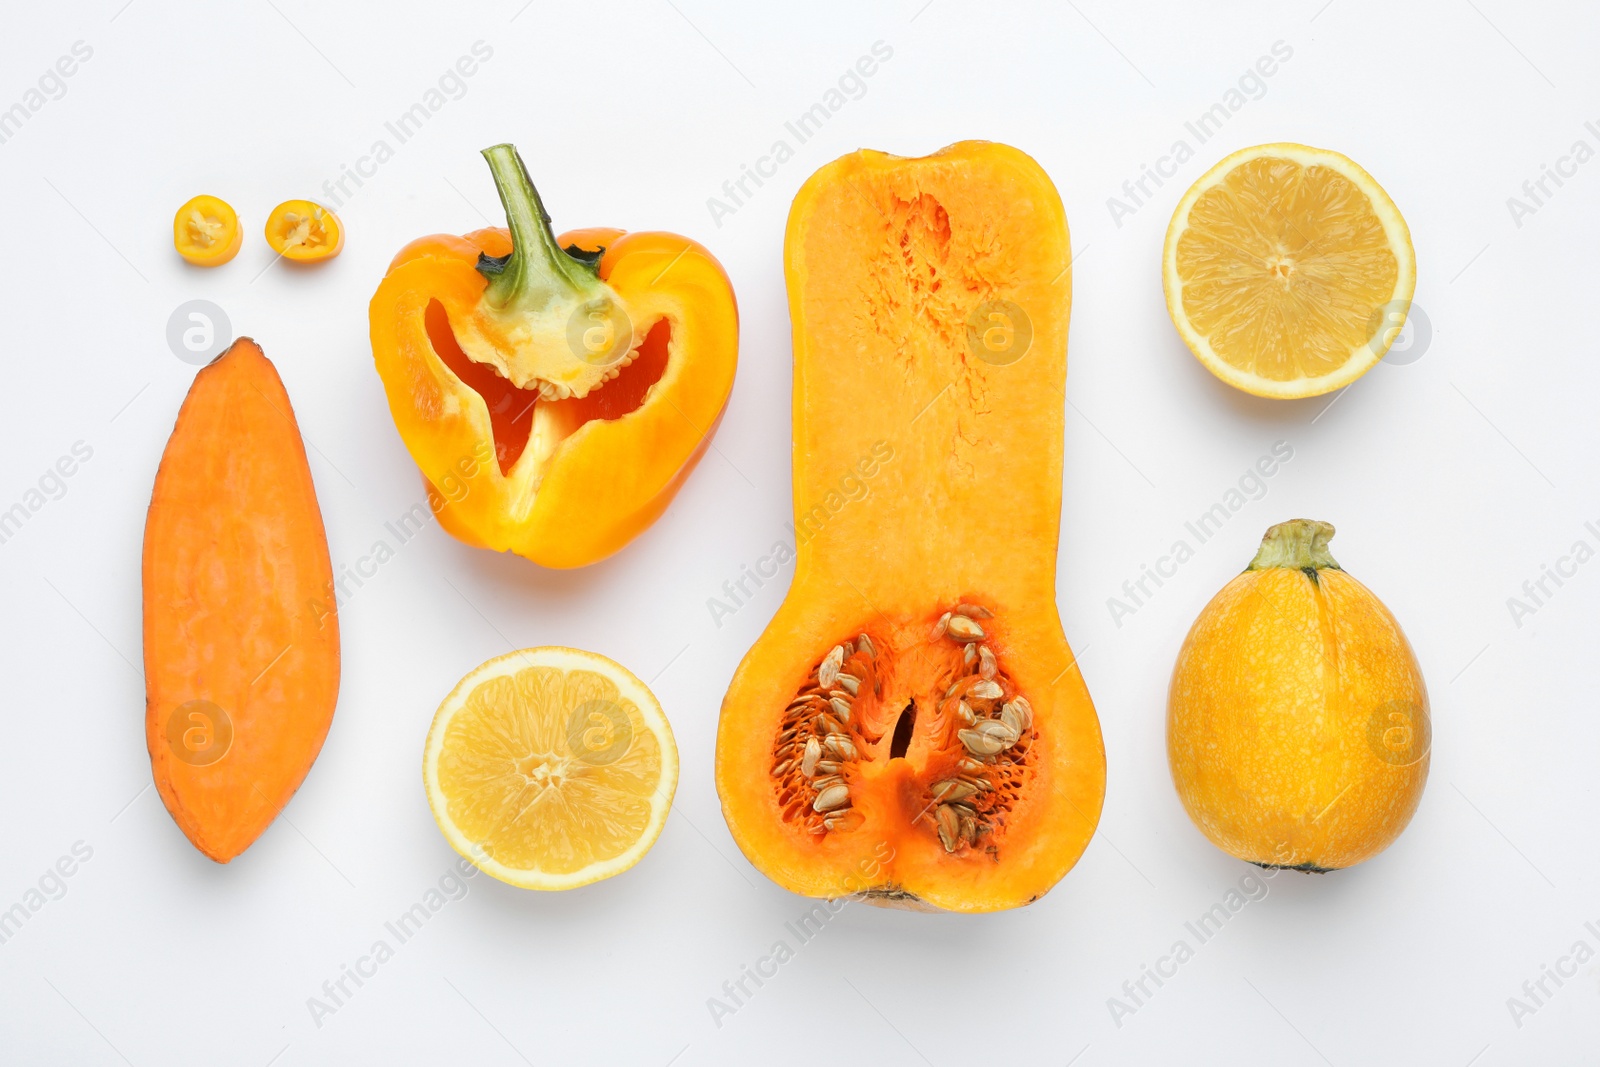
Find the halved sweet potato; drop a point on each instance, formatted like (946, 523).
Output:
(241, 638)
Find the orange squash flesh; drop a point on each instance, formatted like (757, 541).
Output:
(241, 639)
(927, 475)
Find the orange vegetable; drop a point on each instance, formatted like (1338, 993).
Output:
(241, 641)
(912, 727)
(1297, 722)
(555, 392)
(304, 231)
(206, 232)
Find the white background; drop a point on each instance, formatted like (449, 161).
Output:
(1452, 478)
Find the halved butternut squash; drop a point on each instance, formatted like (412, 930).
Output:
(912, 727)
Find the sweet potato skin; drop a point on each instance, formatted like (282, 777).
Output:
(241, 637)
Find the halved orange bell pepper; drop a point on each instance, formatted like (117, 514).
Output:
(555, 392)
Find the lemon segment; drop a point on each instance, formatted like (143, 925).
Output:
(551, 768)
(1288, 270)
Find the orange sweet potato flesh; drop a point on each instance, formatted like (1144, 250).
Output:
(240, 634)
(888, 260)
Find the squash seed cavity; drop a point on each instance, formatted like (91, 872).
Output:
(974, 759)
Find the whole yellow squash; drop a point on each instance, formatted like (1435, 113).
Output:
(1297, 722)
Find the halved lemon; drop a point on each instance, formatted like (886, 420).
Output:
(551, 768)
(1288, 270)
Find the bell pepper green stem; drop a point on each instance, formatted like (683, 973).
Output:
(537, 273)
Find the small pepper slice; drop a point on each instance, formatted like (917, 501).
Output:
(555, 392)
(304, 231)
(206, 232)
